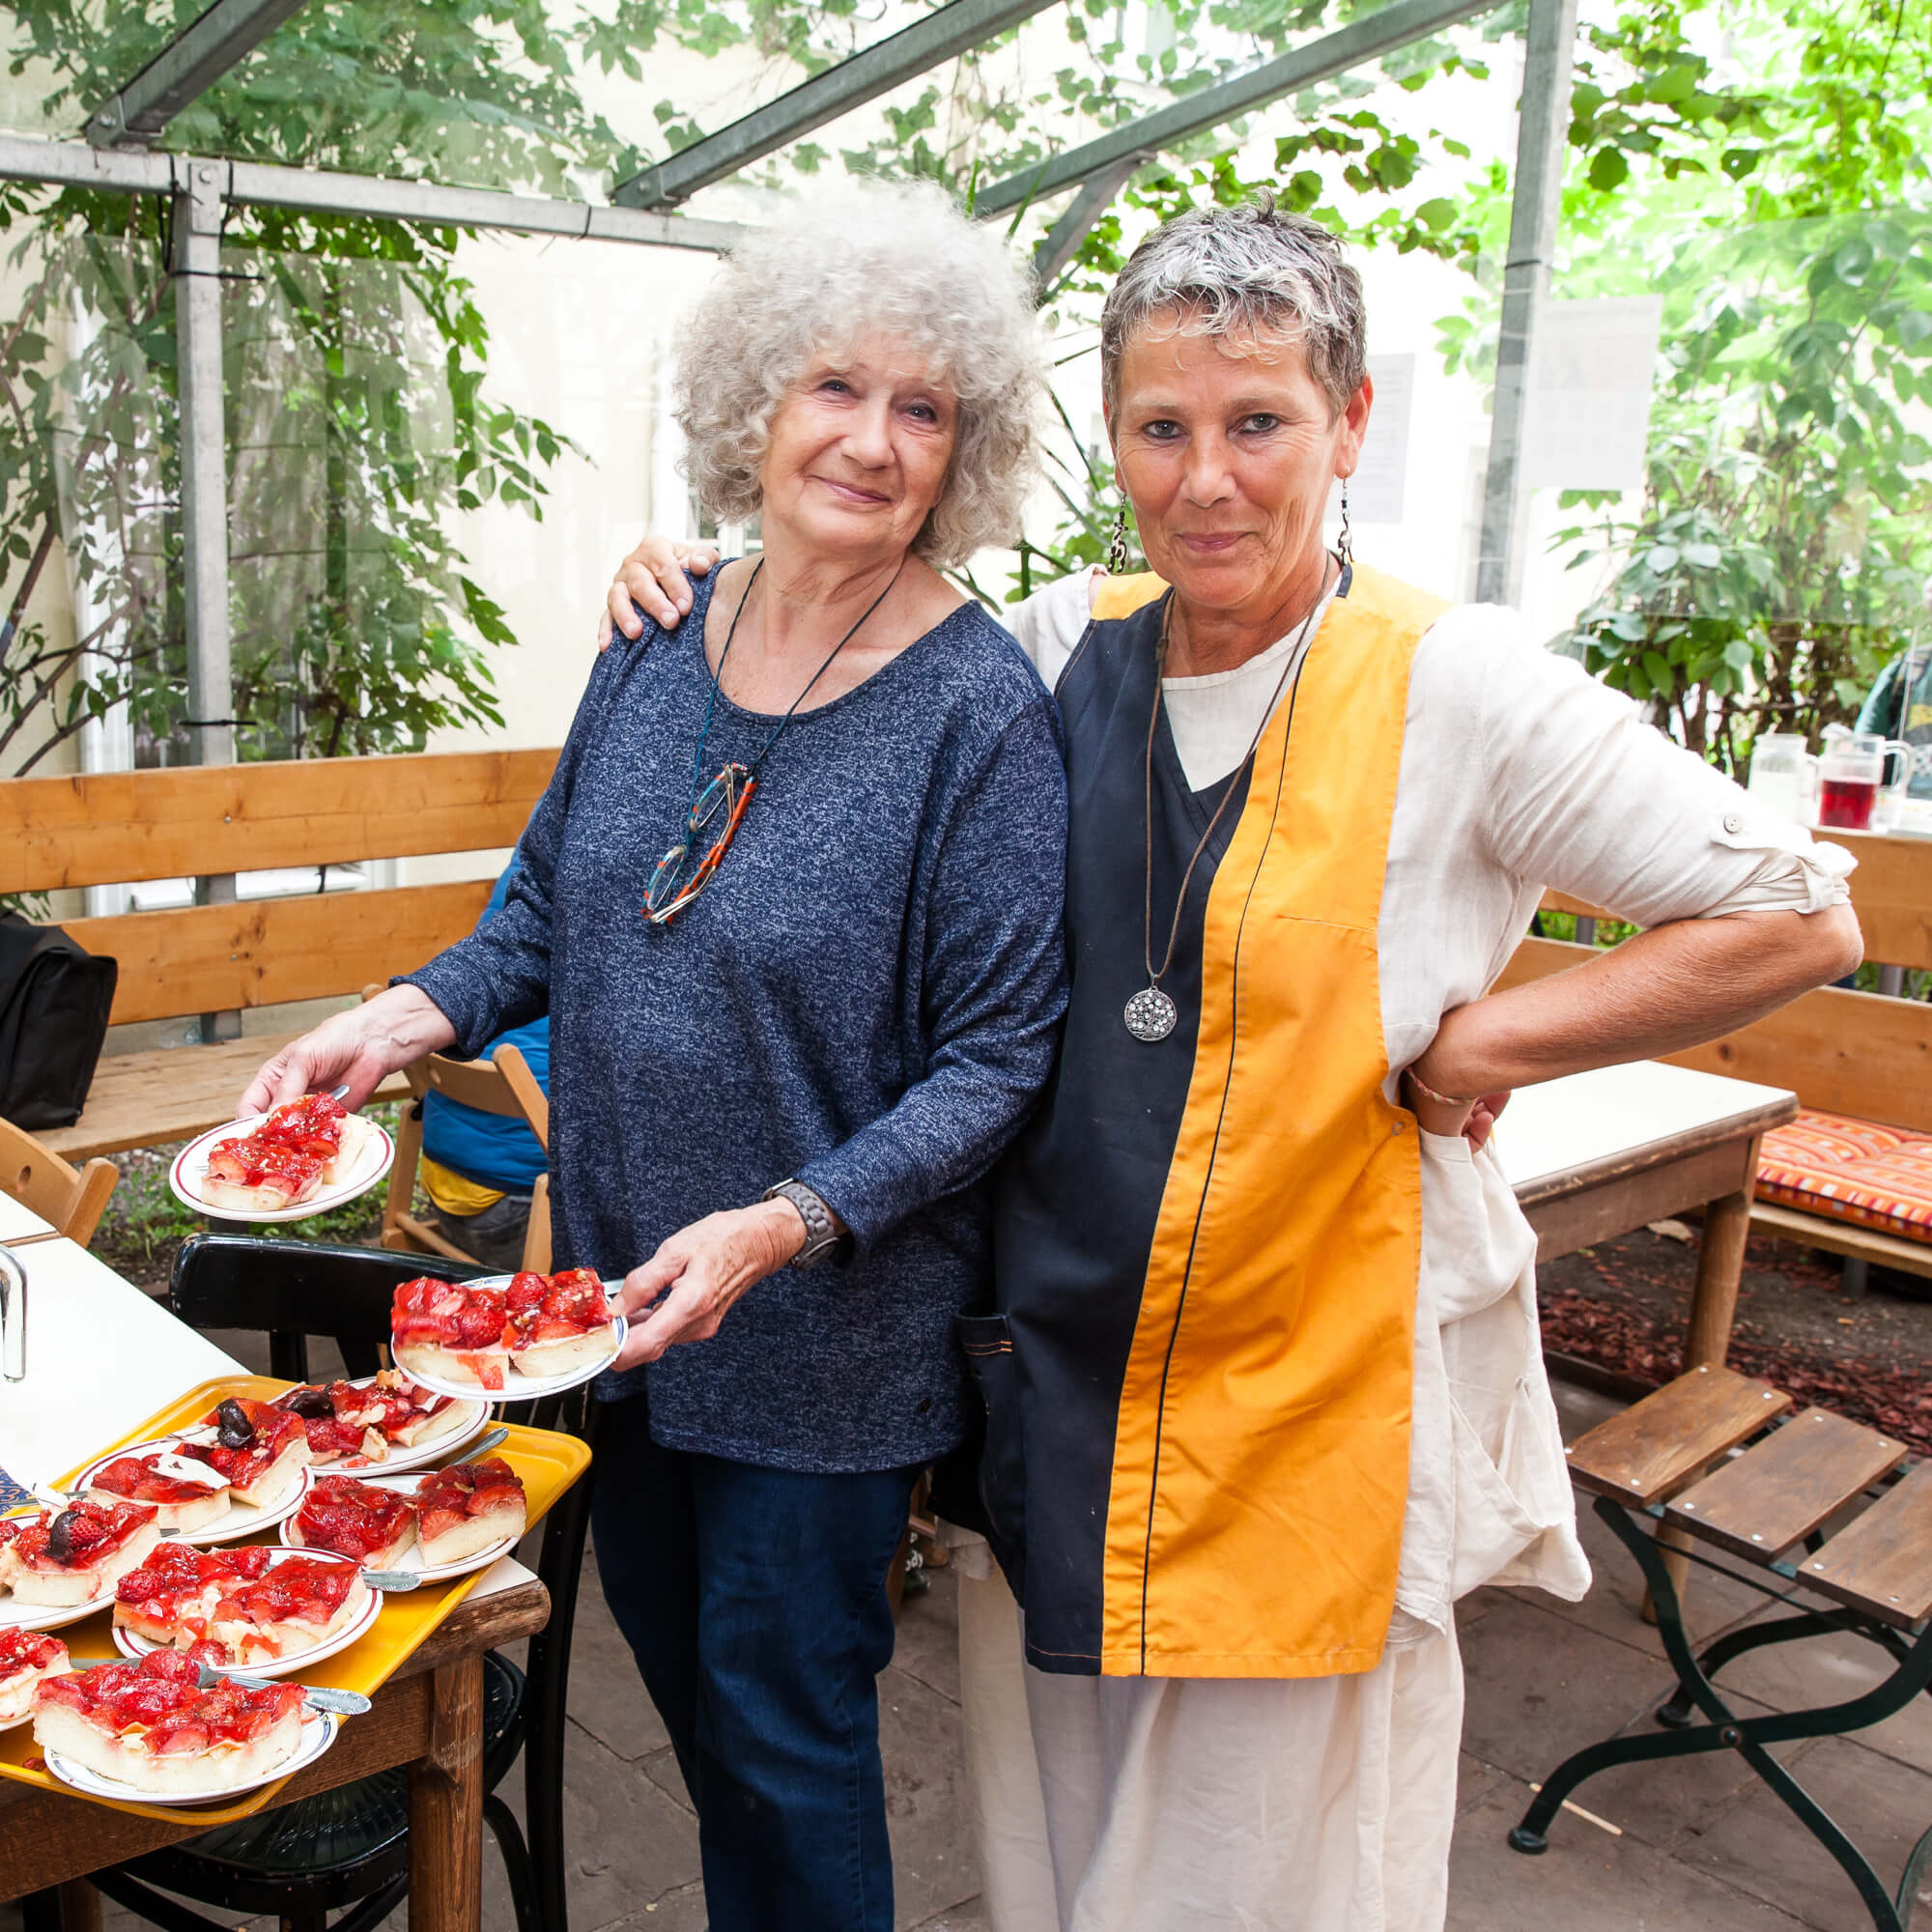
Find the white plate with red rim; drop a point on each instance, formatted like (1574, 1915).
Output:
(399, 1459)
(240, 1521)
(131, 1643)
(517, 1386)
(319, 1729)
(190, 1165)
(41, 1616)
(411, 1559)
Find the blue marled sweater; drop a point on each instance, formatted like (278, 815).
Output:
(867, 997)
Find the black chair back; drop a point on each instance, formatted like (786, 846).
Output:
(294, 1290)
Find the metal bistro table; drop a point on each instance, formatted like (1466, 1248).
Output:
(101, 1356)
(1597, 1155)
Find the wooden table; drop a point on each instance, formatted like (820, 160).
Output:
(90, 1331)
(1597, 1155)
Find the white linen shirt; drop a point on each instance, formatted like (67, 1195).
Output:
(1519, 773)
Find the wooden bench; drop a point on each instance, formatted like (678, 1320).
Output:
(1860, 1054)
(1714, 1463)
(129, 827)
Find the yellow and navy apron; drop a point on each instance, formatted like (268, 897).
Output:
(1198, 1378)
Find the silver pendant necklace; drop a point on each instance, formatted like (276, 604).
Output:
(1150, 1014)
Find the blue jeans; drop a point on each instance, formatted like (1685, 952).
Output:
(755, 1601)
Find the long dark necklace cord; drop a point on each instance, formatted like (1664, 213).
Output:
(1156, 976)
(778, 729)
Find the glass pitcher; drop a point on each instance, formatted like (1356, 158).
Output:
(1784, 775)
(1853, 795)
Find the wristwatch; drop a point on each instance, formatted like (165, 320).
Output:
(823, 1236)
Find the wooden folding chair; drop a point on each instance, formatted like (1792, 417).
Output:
(1670, 1462)
(502, 1085)
(72, 1198)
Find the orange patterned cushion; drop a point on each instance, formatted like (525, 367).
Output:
(1851, 1169)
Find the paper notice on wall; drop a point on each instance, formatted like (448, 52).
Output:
(1587, 423)
(1374, 490)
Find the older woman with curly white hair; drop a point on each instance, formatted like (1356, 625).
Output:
(793, 903)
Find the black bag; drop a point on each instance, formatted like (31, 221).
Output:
(54, 1001)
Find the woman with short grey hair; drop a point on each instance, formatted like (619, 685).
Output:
(794, 903)
(1263, 1387)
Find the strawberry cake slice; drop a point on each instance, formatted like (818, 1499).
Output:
(466, 1508)
(407, 1415)
(259, 1175)
(258, 1450)
(185, 1495)
(26, 1661)
(450, 1329)
(558, 1324)
(369, 1526)
(320, 1126)
(70, 1556)
(357, 1423)
(299, 1149)
(240, 1606)
(150, 1725)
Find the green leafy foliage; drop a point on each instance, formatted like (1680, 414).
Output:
(1780, 552)
(358, 418)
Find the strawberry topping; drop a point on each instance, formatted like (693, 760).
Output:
(27, 1650)
(449, 1313)
(312, 1125)
(137, 1478)
(554, 1308)
(255, 1162)
(250, 1435)
(81, 1534)
(351, 1518)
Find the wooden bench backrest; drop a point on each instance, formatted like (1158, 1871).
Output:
(124, 827)
(1845, 1053)
(1891, 894)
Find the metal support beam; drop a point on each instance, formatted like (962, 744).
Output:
(198, 208)
(1535, 214)
(190, 64)
(1380, 33)
(1085, 209)
(73, 164)
(879, 69)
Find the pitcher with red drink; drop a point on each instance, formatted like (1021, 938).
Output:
(1853, 795)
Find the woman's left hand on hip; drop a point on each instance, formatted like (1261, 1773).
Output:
(685, 1291)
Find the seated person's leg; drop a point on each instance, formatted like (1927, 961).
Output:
(496, 1234)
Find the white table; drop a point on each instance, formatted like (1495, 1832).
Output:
(1596, 1154)
(19, 1223)
(100, 1357)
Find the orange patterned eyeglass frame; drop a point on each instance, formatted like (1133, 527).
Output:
(729, 792)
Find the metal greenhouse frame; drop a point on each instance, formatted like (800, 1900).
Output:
(117, 156)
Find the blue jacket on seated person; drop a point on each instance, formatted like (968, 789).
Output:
(496, 1151)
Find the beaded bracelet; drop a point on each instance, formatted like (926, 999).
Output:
(1427, 1091)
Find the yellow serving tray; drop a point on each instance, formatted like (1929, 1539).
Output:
(547, 1463)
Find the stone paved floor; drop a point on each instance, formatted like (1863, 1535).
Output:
(1703, 1848)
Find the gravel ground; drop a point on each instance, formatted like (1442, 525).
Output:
(1623, 1305)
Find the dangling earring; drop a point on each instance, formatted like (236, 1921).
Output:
(1345, 547)
(1116, 544)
